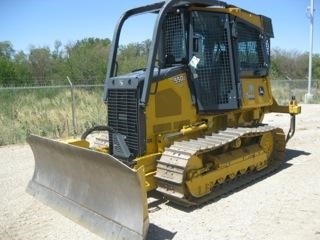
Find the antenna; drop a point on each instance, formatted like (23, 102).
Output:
(310, 15)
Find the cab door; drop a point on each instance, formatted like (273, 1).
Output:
(212, 64)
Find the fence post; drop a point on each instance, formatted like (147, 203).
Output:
(73, 107)
(13, 120)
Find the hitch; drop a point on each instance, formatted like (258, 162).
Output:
(294, 109)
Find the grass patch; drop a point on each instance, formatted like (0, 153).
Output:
(48, 112)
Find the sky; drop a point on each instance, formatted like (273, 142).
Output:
(39, 23)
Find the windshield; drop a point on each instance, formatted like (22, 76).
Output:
(135, 42)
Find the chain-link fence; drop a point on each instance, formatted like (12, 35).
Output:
(284, 89)
(67, 110)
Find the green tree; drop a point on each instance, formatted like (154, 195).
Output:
(6, 50)
(316, 66)
(41, 63)
(59, 68)
(87, 60)
(316, 70)
(291, 64)
(7, 70)
(133, 56)
(22, 68)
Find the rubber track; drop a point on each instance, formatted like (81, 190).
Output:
(171, 165)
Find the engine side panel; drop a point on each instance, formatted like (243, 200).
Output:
(169, 109)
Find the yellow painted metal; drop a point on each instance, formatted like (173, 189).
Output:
(256, 93)
(236, 143)
(193, 128)
(186, 132)
(250, 17)
(103, 149)
(78, 142)
(279, 144)
(245, 15)
(148, 162)
(195, 167)
(294, 108)
(267, 143)
(227, 165)
(85, 144)
(166, 116)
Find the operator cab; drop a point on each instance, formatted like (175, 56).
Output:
(218, 49)
(215, 47)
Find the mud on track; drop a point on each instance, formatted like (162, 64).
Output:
(284, 205)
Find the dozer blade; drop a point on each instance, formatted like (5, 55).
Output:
(92, 188)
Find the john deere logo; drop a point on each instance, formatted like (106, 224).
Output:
(261, 91)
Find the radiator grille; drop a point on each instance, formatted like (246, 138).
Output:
(123, 116)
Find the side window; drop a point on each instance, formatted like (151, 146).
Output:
(174, 40)
(251, 50)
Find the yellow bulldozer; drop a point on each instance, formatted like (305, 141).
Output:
(188, 124)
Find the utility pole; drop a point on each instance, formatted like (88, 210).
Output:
(310, 15)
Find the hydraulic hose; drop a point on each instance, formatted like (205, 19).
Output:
(96, 128)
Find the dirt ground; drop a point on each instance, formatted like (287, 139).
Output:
(283, 205)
